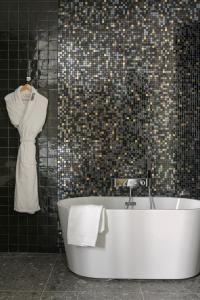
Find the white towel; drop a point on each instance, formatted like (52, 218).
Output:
(84, 224)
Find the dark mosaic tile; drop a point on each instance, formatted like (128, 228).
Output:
(4, 247)
(130, 92)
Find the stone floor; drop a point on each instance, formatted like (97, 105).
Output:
(45, 277)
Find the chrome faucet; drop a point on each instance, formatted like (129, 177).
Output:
(131, 183)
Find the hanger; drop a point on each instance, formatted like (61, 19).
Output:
(27, 85)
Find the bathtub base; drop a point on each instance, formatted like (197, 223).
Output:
(133, 277)
(84, 265)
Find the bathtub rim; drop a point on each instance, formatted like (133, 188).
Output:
(59, 203)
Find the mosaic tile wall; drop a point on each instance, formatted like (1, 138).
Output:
(128, 79)
(28, 34)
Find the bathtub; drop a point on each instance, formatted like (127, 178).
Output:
(139, 243)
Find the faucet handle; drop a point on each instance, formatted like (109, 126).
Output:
(144, 182)
(130, 182)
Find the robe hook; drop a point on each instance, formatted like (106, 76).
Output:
(28, 77)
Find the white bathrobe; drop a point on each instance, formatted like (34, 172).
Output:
(28, 117)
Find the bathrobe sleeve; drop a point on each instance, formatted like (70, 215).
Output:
(13, 109)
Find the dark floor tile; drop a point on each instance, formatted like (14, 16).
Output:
(4, 253)
(21, 274)
(15, 295)
(63, 280)
(114, 295)
(25, 272)
(171, 296)
(190, 285)
(158, 286)
(59, 296)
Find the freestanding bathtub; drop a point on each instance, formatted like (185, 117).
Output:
(139, 243)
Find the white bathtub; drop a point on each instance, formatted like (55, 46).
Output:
(139, 243)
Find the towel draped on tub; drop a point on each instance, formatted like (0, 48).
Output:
(85, 222)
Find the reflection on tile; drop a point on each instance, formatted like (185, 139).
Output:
(42, 143)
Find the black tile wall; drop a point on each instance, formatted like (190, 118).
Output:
(128, 80)
(28, 34)
(128, 91)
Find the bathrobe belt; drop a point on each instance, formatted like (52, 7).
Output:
(27, 141)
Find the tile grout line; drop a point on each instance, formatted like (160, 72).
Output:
(48, 278)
